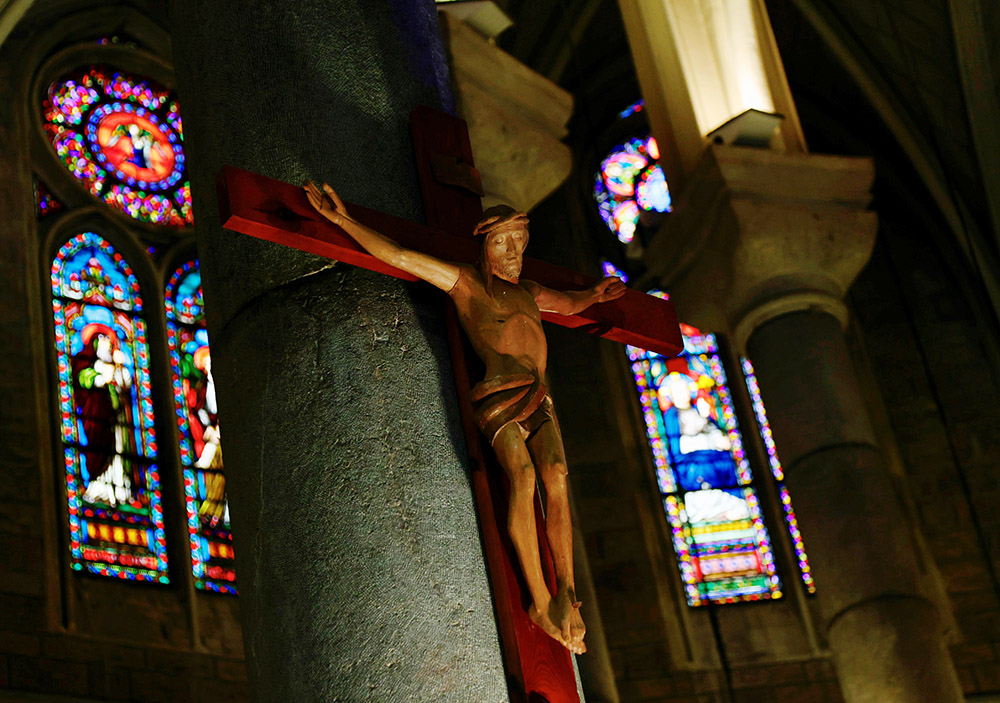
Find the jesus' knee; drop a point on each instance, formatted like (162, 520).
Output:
(522, 481)
(554, 476)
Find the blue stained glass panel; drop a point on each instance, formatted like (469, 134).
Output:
(722, 545)
(106, 414)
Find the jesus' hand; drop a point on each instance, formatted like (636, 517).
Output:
(610, 288)
(327, 202)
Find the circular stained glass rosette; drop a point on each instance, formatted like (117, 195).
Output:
(133, 144)
(630, 182)
(121, 137)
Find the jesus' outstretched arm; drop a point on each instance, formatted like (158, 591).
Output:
(442, 274)
(576, 301)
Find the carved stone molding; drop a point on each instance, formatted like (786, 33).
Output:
(759, 234)
(516, 119)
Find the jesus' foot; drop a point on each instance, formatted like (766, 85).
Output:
(565, 613)
(540, 616)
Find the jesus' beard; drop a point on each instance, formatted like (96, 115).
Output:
(507, 269)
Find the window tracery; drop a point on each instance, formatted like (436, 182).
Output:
(121, 137)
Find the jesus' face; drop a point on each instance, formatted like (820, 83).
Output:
(504, 251)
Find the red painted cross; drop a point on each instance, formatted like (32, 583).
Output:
(538, 668)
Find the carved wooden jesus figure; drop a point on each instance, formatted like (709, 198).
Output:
(501, 314)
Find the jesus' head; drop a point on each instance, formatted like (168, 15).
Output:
(505, 235)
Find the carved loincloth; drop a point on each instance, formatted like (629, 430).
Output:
(520, 398)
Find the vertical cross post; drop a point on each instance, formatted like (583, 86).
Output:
(538, 668)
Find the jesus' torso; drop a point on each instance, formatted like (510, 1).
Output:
(505, 328)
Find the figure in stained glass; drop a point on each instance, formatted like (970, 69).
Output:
(722, 545)
(109, 440)
(688, 399)
(212, 555)
(145, 140)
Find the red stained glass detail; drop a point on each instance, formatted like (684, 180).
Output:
(136, 146)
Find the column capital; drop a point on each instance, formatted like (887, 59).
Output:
(516, 119)
(759, 234)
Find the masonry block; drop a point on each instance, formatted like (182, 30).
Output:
(47, 675)
(19, 643)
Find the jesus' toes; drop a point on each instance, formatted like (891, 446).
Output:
(577, 630)
(542, 620)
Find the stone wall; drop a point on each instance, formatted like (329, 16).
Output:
(117, 669)
(934, 358)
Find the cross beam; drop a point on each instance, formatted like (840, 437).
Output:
(279, 212)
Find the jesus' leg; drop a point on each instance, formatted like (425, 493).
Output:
(546, 449)
(514, 457)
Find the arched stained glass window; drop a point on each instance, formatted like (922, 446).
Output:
(107, 430)
(122, 137)
(629, 183)
(779, 475)
(211, 539)
(722, 545)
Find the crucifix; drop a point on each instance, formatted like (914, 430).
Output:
(500, 304)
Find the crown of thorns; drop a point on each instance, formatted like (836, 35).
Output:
(500, 217)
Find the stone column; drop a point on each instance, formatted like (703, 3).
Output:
(766, 245)
(360, 567)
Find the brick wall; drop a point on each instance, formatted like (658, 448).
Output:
(69, 665)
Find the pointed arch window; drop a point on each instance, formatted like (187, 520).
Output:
(107, 428)
(792, 524)
(722, 544)
(211, 540)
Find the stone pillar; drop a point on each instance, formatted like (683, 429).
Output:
(765, 245)
(884, 634)
(701, 63)
(359, 561)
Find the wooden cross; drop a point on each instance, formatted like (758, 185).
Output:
(538, 668)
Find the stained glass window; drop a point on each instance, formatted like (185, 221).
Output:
(211, 540)
(722, 545)
(779, 475)
(122, 137)
(629, 183)
(610, 269)
(45, 202)
(107, 429)
(632, 109)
